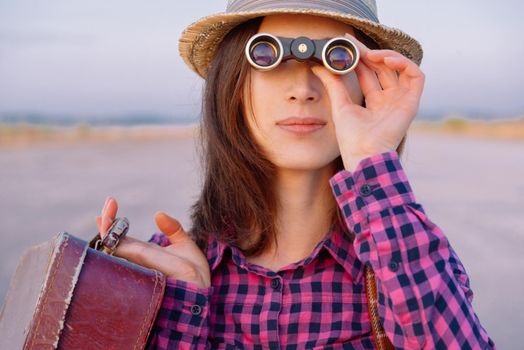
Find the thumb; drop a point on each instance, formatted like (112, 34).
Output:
(334, 85)
(170, 227)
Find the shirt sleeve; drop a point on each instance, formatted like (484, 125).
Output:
(183, 319)
(424, 297)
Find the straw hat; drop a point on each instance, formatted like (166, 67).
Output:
(199, 41)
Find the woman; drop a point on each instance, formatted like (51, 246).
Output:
(303, 187)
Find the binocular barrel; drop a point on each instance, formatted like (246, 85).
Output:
(265, 51)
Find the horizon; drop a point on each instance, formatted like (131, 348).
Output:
(143, 118)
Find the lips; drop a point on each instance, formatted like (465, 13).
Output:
(301, 121)
(301, 125)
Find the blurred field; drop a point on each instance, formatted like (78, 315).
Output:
(56, 180)
(490, 129)
(27, 134)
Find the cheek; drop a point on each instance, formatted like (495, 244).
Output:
(263, 99)
(263, 91)
(255, 107)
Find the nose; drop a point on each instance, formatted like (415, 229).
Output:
(302, 84)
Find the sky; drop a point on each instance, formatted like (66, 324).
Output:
(115, 57)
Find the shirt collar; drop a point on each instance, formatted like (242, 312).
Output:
(337, 242)
(215, 251)
(340, 245)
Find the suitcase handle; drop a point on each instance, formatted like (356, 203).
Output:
(114, 236)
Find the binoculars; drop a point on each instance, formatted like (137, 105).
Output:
(265, 51)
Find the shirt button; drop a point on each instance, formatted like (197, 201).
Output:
(196, 310)
(275, 283)
(365, 190)
(393, 265)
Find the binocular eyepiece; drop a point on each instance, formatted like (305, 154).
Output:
(265, 51)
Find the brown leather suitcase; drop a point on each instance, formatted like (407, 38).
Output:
(65, 295)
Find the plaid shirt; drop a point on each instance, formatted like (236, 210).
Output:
(320, 302)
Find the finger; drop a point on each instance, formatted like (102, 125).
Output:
(170, 227)
(360, 46)
(103, 225)
(111, 207)
(152, 256)
(98, 220)
(411, 77)
(167, 263)
(381, 53)
(367, 79)
(106, 223)
(388, 77)
(108, 215)
(334, 86)
(105, 206)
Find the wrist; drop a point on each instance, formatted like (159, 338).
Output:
(351, 162)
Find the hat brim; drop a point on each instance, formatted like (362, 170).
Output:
(198, 43)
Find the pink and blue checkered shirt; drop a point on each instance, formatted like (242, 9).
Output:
(320, 302)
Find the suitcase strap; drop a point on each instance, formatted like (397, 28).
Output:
(382, 341)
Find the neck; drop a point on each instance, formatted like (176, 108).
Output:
(303, 217)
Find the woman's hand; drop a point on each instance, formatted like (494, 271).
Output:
(392, 101)
(182, 259)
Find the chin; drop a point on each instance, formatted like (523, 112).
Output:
(304, 162)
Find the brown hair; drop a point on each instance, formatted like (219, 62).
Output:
(237, 202)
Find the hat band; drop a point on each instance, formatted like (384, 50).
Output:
(344, 7)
